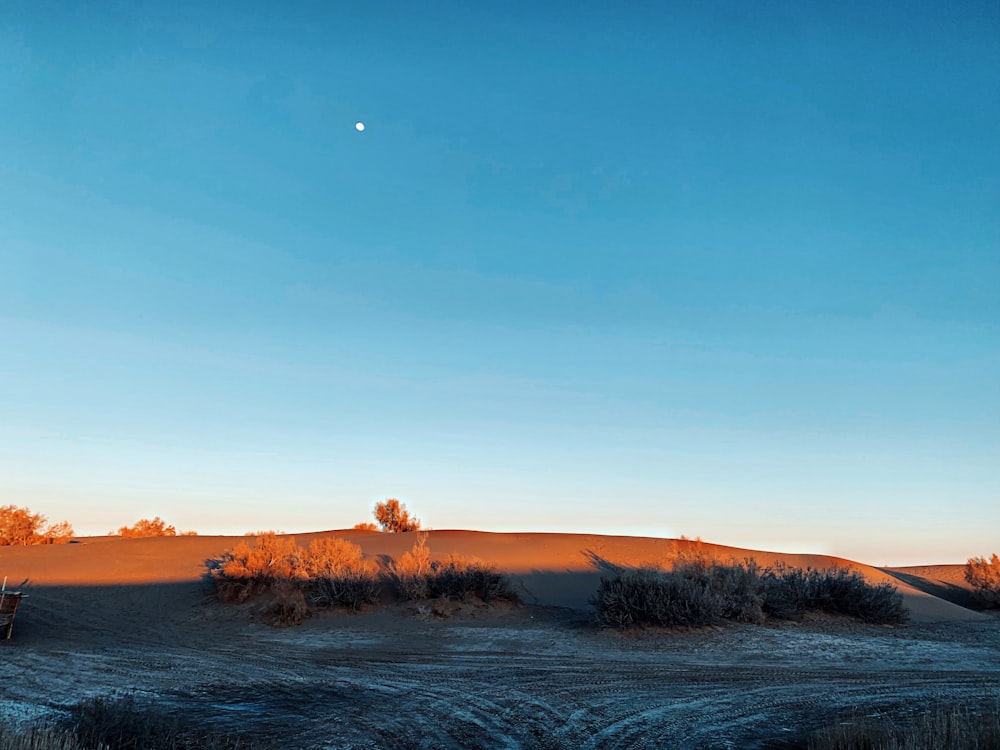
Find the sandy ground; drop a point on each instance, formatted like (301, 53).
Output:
(111, 616)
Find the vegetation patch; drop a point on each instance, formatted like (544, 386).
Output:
(21, 527)
(128, 724)
(123, 723)
(966, 727)
(392, 517)
(287, 581)
(146, 527)
(417, 577)
(699, 592)
(984, 577)
(791, 592)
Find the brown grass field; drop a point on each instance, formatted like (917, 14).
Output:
(109, 616)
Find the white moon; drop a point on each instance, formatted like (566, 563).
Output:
(359, 126)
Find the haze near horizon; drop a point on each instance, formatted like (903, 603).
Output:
(705, 269)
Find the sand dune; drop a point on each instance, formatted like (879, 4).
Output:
(107, 616)
(549, 569)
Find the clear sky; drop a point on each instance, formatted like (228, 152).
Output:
(717, 269)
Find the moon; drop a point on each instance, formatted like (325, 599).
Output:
(359, 126)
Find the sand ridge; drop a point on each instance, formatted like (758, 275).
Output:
(548, 568)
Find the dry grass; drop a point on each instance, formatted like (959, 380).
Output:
(122, 724)
(127, 724)
(953, 727)
(43, 738)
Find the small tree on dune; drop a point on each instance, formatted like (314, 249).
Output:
(21, 527)
(146, 527)
(984, 576)
(394, 518)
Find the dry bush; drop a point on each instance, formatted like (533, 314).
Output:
(688, 596)
(284, 604)
(394, 518)
(984, 577)
(330, 572)
(146, 527)
(456, 577)
(367, 526)
(418, 577)
(338, 574)
(269, 558)
(699, 591)
(966, 727)
(734, 585)
(411, 571)
(791, 592)
(248, 570)
(21, 527)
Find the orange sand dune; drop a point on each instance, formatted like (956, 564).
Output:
(943, 581)
(548, 569)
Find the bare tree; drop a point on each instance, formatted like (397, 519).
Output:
(394, 518)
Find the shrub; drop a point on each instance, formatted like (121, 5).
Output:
(736, 586)
(367, 526)
(788, 592)
(251, 569)
(338, 574)
(984, 577)
(699, 592)
(455, 577)
(288, 579)
(412, 570)
(791, 592)
(393, 517)
(21, 527)
(284, 604)
(146, 527)
(693, 594)
(331, 571)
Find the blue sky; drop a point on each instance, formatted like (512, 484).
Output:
(716, 269)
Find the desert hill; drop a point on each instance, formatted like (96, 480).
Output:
(548, 569)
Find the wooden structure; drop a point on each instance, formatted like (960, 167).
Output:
(9, 601)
